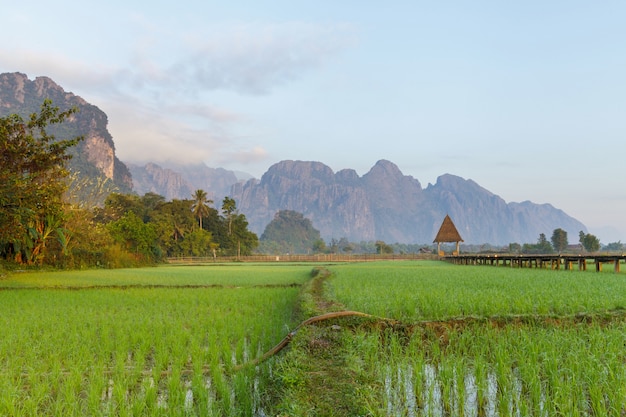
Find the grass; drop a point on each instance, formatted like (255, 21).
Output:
(215, 275)
(466, 340)
(142, 342)
(411, 291)
(538, 342)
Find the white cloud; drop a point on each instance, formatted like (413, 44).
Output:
(253, 59)
(158, 100)
(245, 157)
(144, 134)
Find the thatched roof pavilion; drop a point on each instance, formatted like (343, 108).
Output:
(447, 233)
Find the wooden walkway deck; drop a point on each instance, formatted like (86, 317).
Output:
(566, 262)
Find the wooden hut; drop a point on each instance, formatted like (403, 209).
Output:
(447, 233)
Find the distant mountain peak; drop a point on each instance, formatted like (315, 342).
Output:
(179, 181)
(384, 169)
(387, 205)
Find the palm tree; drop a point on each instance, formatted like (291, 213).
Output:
(229, 207)
(200, 205)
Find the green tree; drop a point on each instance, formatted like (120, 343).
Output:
(86, 241)
(117, 205)
(543, 245)
(614, 246)
(241, 241)
(32, 174)
(590, 242)
(200, 205)
(151, 202)
(174, 220)
(382, 247)
(559, 240)
(319, 246)
(197, 243)
(136, 236)
(229, 209)
(292, 233)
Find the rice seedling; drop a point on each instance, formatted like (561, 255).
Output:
(125, 346)
(485, 341)
(413, 291)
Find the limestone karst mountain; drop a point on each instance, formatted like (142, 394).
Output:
(385, 204)
(96, 167)
(179, 181)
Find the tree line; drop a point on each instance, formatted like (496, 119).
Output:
(40, 225)
(559, 243)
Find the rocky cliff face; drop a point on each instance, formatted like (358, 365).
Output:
(92, 157)
(180, 181)
(333, 202)
(385, 204)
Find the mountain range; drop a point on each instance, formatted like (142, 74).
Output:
(383, 204)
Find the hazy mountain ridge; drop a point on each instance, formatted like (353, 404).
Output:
(385, 204)
(179, 181)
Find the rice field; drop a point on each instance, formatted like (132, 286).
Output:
(174, 341)
(154, 341)
(485, 341)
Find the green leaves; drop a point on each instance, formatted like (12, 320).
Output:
(32, 172)
(291, 232)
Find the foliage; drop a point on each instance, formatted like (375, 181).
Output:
(614, 246)
(319, 246)
(229, 209)
(590, 242)
(152, 227)
(382, 247)
(135, 235)
(542, 246)
(88, 191)
(32, 172)
(559, 240)
(292, 233)
(200, 205)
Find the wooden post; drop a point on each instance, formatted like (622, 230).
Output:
(616, 265)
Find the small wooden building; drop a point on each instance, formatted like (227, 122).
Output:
(447, 233)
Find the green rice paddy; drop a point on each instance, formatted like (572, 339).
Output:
(141, 342)
(174, 340)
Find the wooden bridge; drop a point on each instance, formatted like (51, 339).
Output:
(566, 262)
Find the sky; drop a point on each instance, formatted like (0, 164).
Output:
(526, 98)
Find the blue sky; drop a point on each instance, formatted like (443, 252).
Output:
(528, 99)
